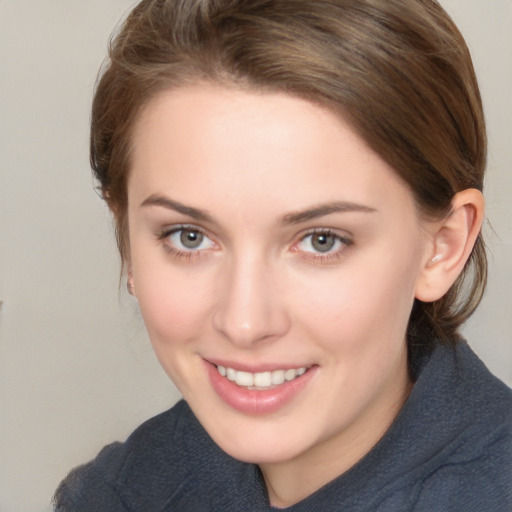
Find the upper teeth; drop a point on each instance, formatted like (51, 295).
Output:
(262, 379)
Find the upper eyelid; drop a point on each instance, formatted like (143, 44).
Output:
(343, 235)
(345, 241)
(164, 235)
(166, 232)
(169, 230)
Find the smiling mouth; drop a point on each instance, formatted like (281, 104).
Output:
(263, 380)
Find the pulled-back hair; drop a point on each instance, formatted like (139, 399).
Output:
(398, 71)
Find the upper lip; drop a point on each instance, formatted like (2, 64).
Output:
(256, 368)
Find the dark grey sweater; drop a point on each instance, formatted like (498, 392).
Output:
(450, 449)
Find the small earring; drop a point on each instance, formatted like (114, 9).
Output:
(130, 287)
(436, 258)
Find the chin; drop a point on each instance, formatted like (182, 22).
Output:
(263, 443)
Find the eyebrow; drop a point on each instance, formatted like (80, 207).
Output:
(324, 209)
(288, 219)
(190, 211)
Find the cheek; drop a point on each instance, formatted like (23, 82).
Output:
(175, 312)
(173, 304)
(365, 307)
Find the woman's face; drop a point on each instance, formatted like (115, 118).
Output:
(270, 245)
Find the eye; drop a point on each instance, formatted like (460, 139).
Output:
(323, 242)
(186, 240)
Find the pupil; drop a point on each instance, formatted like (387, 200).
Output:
(191, 239)
(323, 242)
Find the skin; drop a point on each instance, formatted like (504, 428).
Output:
(256, 291)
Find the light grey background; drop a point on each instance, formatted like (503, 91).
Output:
(76, 369)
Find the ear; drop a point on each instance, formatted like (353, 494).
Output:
(452, 240)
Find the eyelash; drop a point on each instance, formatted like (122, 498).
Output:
(323, 258)
(315, 257)
(177, 253)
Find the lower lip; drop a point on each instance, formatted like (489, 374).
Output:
(250, 401)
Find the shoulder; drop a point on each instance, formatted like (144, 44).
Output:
(455, 388)
(483, 402)
(474, 469)
(155, 463)
(478, 476)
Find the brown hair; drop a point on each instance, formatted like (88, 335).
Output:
(398, 70)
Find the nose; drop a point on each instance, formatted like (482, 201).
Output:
(250, 308)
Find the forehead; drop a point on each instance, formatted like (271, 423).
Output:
(208, 143)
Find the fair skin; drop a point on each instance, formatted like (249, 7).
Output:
(265, 236)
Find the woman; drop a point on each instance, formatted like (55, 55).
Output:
(296, 188)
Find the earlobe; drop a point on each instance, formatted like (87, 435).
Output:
(453, 239)
(129, 283)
